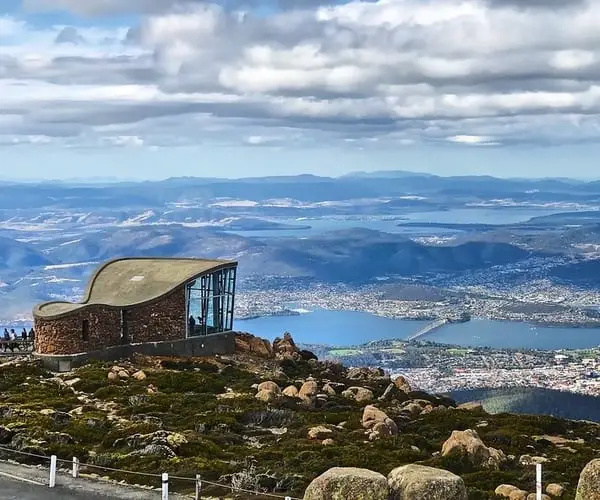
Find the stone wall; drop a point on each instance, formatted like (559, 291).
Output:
(161, 320)
(158, 321)
(65, 335)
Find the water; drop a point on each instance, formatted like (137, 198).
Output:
(345, 328)
(331, 327)
(533, 401)
(390, 223)
(513, 334)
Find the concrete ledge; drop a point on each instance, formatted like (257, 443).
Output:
(206, 345)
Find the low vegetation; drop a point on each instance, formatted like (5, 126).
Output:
(201, 416)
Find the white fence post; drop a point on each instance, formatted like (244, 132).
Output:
(165, 486)
(52, 482)
(538, 481)
(198, 487)
(75, 467)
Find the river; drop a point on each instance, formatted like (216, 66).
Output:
(393, 223)
(347, 328)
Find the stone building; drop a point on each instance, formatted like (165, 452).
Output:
(139, 301)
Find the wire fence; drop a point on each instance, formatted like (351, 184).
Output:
(197, 481)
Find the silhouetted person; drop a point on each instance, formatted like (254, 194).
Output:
(13, 341)
(31, 335)
(24, 334)
(192, 324)
(5, 339)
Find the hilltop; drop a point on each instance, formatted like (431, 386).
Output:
(272, 418)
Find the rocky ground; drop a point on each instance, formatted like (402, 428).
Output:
(272, 418)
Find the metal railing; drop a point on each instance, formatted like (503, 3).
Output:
(75, 465)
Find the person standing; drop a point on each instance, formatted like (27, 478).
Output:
(5, 339)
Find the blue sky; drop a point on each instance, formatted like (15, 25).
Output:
(157, 88)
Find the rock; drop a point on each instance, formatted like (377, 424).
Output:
(309, 388)
(383, 430)
(412, 409)
(528, 460)
(378, 423)
(319, 432)
(246, 343)
(341, 483)
(518, 495)
(471, 406)
(555, 490)
(269, 386)
(329, 390)
(359, 394)
(159, 450)
(266, 396)
(533, 496)
(392, 393)
(364, 373)
(504, 490)
(291, 391)
(175, 440)
(112, 376)
(328, 442)
(72, 382)
(372, 415)
(417, 482)
(139, 375)
(468, 443)
(286, 348)
(123, 374)
(401, 383)
(588, 487)
(47, 412)
(6, 435)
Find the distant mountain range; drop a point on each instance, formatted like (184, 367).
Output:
(53, 234)
(305, 188)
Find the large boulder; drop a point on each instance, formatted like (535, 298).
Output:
(245, 343)
(310, 388)
(401, 383)
(269, 386)
(588, 487)
(291, 391)
(366, 373)
(377, 423)
(518, 495)
(266, 396)
(504, 490)
(345, 483)
(392, 393)
(533, 496)
(417, 482)
(555, 490)
(285, 348)
(319, 432)
(469, 444)
(358, 394)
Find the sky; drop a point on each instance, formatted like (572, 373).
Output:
(151, 89)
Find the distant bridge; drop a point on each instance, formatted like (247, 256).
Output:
(428, 329)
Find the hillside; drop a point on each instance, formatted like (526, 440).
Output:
(210, 416)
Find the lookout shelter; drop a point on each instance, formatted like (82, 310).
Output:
(138, 301)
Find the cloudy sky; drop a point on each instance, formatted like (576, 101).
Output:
(156, 88)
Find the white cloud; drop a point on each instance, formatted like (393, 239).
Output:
(470, 72)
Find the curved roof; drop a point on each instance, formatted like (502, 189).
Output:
(133, 281)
